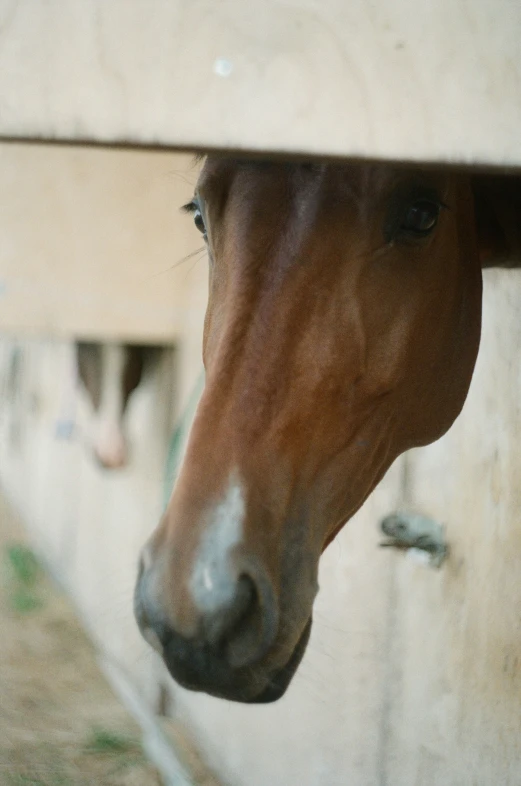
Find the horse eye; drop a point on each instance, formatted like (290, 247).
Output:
(421, 217)
(199, 221)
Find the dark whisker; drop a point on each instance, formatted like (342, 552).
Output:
(197, 260)
(180, 262)
(180, 176)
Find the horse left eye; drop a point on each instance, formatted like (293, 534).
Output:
(421, 217)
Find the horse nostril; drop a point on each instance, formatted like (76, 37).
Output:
(252, 629)
(230, 621)
(237, 614)
(220, 626)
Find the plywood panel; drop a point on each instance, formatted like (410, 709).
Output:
(93, 244)
(389, 78)
(456, 657)
(88, 523)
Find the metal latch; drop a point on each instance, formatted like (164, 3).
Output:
(416, 533)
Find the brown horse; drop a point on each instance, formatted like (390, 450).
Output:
(342, 329)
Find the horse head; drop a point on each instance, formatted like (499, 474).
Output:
(342, 329)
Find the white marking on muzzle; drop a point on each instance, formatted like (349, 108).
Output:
(213, 583)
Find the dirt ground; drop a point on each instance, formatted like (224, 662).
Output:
(60, 723)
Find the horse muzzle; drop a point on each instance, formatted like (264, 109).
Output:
(234, 651)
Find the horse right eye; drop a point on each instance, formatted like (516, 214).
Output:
(421, 217)
(199, 221)
(194, 207)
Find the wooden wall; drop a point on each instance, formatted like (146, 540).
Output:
(457, 636)
(94, 243)
(88, 524)
(397, 79)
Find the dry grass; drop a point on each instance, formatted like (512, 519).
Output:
(60, 724)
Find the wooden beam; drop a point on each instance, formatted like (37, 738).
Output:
(393, 79)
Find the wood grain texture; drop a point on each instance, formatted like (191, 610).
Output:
(455, 716)
(391, 79)
(87, 523)
(94, 244)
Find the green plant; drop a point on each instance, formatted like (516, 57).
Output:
(124, 751)
(24, 566)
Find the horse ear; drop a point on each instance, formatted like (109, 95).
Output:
(497, 209)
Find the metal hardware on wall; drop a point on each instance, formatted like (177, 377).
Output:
(421, 536)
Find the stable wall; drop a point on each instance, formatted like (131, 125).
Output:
(95, 246)
(393, 79)
(88, 523)
(94, 243)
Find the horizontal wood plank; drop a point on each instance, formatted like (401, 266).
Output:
(392, 79)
